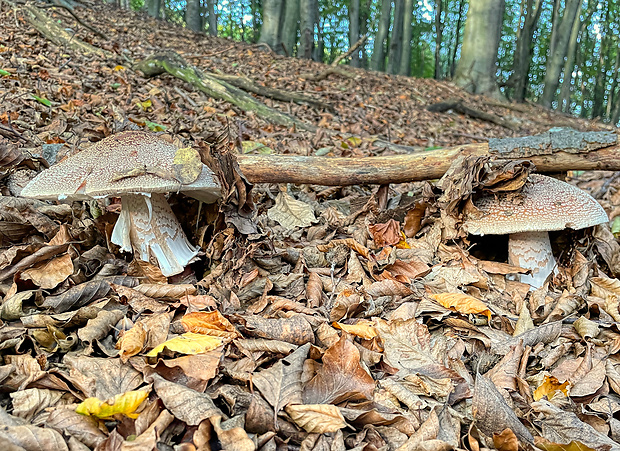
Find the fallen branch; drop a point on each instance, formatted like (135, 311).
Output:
(57, 4)
(249, 85)
(459, 106)
(176, 66)
(336, 70)
(403, 168)
(349, 52)
(49, 28)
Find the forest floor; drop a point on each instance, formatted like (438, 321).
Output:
(320, 317)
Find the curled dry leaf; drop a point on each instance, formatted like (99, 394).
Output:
(210, 323)
(165, 291)
(462, 303)
(363, 328)
(550, 387)
(188, 343)
(132, 341)
(316, 418)
(30, 437)
(388, 287)
(586, 328)
(506, 441)
(314, 290)
(125, 403)
(233, 439)
(83, 428)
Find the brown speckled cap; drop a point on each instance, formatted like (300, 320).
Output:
(91, 172)
(543, 205)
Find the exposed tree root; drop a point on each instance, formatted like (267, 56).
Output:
(459, 106)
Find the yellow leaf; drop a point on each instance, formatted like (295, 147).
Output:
(572, 446)
(550, 387)
(210, 323)
(187, 165)
(188, 343)
(363, 329)
(146, 104)
(117, 68)
(125, 403)
(462, 303)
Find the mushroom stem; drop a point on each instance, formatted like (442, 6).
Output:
(148, 226)
(531, 250)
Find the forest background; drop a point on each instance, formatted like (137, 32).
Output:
(562, 54)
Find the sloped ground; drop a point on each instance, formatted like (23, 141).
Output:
(336, 332)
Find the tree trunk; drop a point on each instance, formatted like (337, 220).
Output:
(438, 38)
(564, 100)
(612, 99)
(555, 60)
(457, 38)
(377, 61)
(364, 13)
(270, 33)
(523, 52)
(289, 27)
(211, 8)
(154, 8)
(319, 48)
(476, 69)
(309, 14)
(354, 30)
(396, 40)
(192, 15)
(405, 57)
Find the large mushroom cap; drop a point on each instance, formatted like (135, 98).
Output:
(544, 204)
(95, 172)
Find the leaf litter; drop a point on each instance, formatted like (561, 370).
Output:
(318, 316)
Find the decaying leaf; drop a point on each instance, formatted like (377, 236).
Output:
(462, 303)
(188, 343)
(316, 418)
(125, 404)
(291, 213)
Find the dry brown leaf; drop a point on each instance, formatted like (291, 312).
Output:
(132, 341)
(210, 323)
(234, 439)
(462, 303)
(290, 212)
(363, 328)
(492, 414)
(49, 274)
(186, 404)
(166, 291)
(413, 219)
(506, 441)
(386, 234)
(412, 269)
(586, 328)
(388, 287)
(574, 445)
(347, 303)
(341, 378)
(314, 290)
(316, 418)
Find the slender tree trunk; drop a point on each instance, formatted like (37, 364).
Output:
(192, 15)
(612, 99)
(476, 69)
(289, 26)
(377, 61)
(523, 52)
(272, 16)
(555, 60)
(438, 38)
(354, 30)
(318, 52)
(396, 40)
(309, 14)
(364, 12)
(154, 8)
(565, 90)
(212, 16)
(457, 38)
(405, 57)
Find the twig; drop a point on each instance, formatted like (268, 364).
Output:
(77, 19)
(350, 51)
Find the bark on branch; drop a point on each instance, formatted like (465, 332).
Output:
(459, 106)
(176, 66)
(403, 168)
(249, 85)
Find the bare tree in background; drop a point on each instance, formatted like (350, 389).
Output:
(405, 54)
(476, 69)
(270, 32)
(309, 10)
(290, 25)
(354, 30)
(192, 15)
(377, 60)
(560, 37)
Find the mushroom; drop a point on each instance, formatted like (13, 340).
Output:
(544, 204)
(139, 168)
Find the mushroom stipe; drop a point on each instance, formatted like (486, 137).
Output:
(147, 224)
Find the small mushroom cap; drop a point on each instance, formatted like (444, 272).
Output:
(544, 204)
(145, 159)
